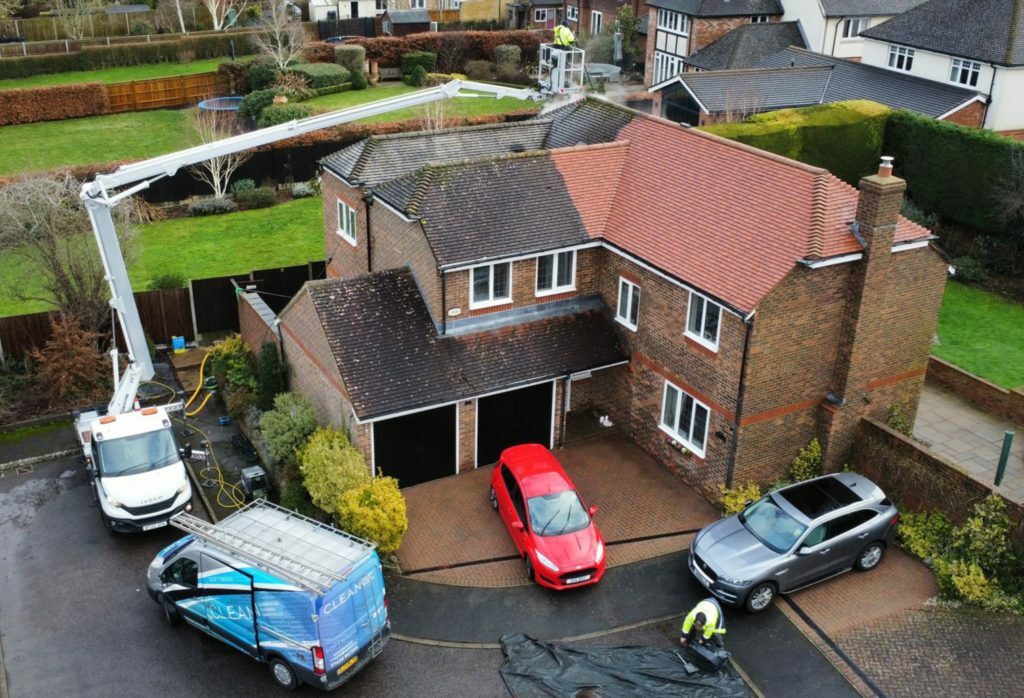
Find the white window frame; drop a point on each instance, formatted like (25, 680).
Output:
(673, 430)
(759, 19)
(632, 292)
(698, 334)
(596, 22)
(556, 257)
(901, 58)
(348, 223)
(572, 13)
(964, 67)
(852, 27)
(540, 14)
(666, 65)
(380, 6)
(417, 4)
(673, 22)
(492, 300)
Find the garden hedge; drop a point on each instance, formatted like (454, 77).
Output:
(95, 58)
(845, 138)
(318, 52)
(350, 56)
(320, 75)
(424, 59)
(453, 49)
(51, 103)
(951, 170)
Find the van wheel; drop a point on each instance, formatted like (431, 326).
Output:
(870, 556)
(494, 499)
(107, 524)
(284, 675)
(760, 597)
(171, 614)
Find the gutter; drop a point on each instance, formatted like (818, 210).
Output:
(368, 201)
(731, 466)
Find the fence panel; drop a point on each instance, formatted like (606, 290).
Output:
(20, 333)
(160, 93)
(277, 286)
(360, 26)
(214, 306)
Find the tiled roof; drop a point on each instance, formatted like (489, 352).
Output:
(391, 358)
(867, 8)
(489, 208)
(379, 159)
(851, 80)
(747, 45)
(720, 8)
(585, 122)
(759, 89)
(985, 30)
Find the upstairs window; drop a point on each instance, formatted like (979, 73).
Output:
(418, 4)
(759, 19)
(556, 273)
(684, 418)
(491, 285)
(628, 308)
(540, 16)
(572, 13)
(596, 22)
(347, 222)
(965, 72)
(702, 321)
(853, 26)
(675, 22)
(901, 58)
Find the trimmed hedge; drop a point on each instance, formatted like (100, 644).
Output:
(262, 74)
(254, 103)
(453, 49)
(233, 77)
(51, 103)
(350, 56)
(280, 113)
(951, 170)
(423, 59)
(844, 137)
(96, 58)
(320, 75)
(318, 52)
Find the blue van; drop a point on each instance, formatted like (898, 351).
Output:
(299, 595)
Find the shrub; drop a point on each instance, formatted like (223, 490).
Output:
(51, 103)
(983, 539)
(231, 362)
(237, 401)
(271, 376)
(254, 103)
(330, 467)
(507, 72)
(508, 55)
(242, 185)
(424, 59)
(302, 190)
(917, 214)
(318, 52)
(233, 78)
(359, 81)
(416, 78)
(925, 534)
(262, 75)
(319, 75)
(287, 427)
(480, 70)
(212, 207)
(807, 463)
(434, 79)
(970, 270)
(171, 279)
(376, 512)
(735, 500)
(350, 56)
(599, 48)
(257, 198)
(295, 497)
(280, 113)
(71, 370)
(457, 47)
(897, 419)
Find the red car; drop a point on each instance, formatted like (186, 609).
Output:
(548, 522)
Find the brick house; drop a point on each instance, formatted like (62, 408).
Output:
(678, 28)
(596, 16)
(721, 304)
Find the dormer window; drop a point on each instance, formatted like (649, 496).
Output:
(491, 284)
(965, 72)
(901, 58)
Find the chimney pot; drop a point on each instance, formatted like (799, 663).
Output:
(885, 169)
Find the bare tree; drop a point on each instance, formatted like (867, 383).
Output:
(207, 127)
(221, 11)
(740, 105)
(171, 12)
(280, 39)
(74, 15)
(43, 221)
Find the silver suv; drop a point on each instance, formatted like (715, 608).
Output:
(792, 538)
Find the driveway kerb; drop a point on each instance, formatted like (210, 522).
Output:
(25, 462)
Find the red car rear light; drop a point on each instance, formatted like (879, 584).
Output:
(895, 520)
(318, 661)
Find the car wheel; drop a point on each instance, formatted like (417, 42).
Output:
(171, 614)
(870, 556)
(494, 499)
(529, 569)
(284, 675)
(760, 597)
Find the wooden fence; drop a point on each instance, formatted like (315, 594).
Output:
(101, 24)
(160, 93)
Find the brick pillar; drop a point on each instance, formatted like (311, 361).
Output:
(865, 325)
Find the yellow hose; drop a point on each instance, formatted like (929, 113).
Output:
(199, 383)
(229, 495)
(199, 409)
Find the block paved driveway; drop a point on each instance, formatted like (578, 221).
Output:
(456, 538)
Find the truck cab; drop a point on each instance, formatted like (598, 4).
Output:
(134, 467)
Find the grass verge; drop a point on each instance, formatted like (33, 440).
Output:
(983, 333)
(109, 76)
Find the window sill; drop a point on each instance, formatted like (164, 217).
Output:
(489, 304)
(555, 291)
(685, 446)
(705, 344)
(622, 321)
(347, 239)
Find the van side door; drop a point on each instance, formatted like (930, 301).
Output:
(180, 586)
(229, 604)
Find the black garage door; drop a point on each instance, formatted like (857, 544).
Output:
(417, 447)
(517, 417)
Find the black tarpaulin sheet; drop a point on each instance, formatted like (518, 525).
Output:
(534, 668)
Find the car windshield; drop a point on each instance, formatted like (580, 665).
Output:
(130, 455)
(557, 513)
(771, 525)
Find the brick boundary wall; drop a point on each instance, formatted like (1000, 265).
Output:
(256, 321)
(920, 480)
(978, 391)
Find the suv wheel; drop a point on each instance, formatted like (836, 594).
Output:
(760, 597)
(284, 675)
(494, 499)
(870, 556)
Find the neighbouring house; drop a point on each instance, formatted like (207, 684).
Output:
(746, 46)
(678, 28)
(404, 22)
(721, 304)
(329, 10)
(588, 17)
(976, 44)
(833, 27)
(800, 78)
(533, 14)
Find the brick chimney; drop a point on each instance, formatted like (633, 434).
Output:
(866, 320)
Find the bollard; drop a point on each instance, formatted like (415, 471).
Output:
(1003, 457)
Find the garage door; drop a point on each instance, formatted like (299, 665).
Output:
(417, 447)
(516, 417)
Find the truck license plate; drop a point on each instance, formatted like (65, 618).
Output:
(150, 527)
(577, 580)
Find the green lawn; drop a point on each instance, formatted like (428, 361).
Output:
(457, 107)
(982, 333)
(111, 75)
(198, 248)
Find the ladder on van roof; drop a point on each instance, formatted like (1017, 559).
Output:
(301, 550)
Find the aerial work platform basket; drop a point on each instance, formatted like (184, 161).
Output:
(561, 69)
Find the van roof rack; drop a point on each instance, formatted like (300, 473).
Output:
(307, 553)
